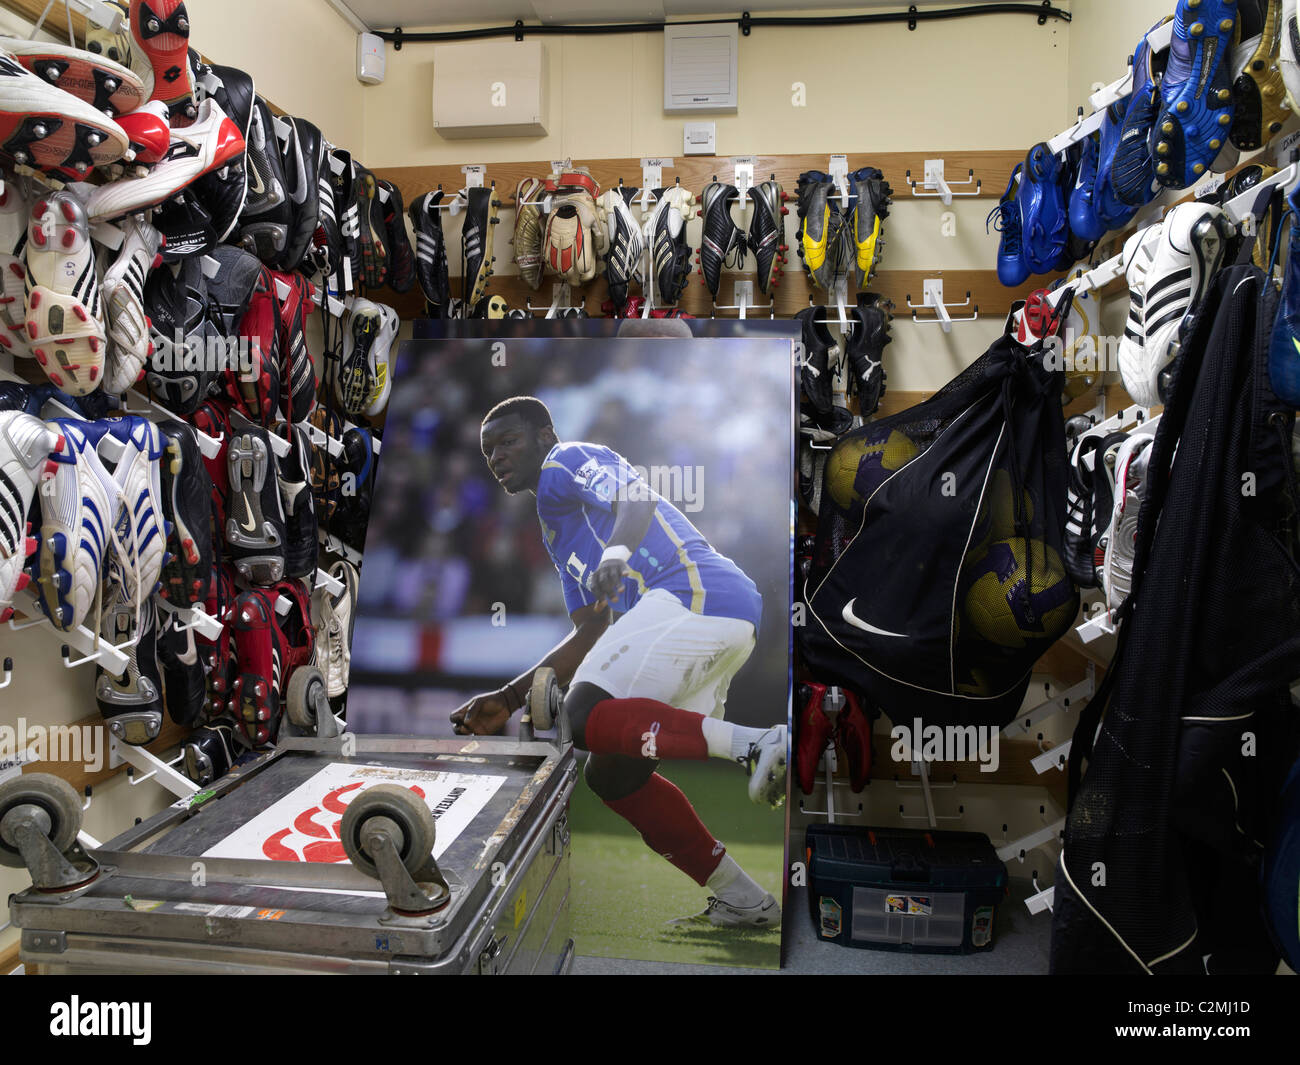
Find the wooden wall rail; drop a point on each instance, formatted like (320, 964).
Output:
(792, 295)
(992, 168)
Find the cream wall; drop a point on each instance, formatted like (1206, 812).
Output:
(884, 88)
(1101, 40)
(301, 54)
(946, 86)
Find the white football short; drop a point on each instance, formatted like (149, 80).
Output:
(661, 650)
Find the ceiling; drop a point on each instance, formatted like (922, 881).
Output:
(431, 14)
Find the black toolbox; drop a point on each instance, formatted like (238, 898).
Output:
(904, 889)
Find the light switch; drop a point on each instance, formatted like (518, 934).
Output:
(701, 138)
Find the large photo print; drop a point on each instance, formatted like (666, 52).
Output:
(619, 511)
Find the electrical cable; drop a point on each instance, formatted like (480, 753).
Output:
(913, 16)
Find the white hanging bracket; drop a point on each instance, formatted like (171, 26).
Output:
(320, 439)
(8, 674)
(330, 584)
(192, 618)
(744, 297)
(94, 648)
(561, 297)
(937, 185)
(838, 169)
(151, 765)
(841, 302)
(933, 301)
(652, 177)
(744, 179)
(1043, 900)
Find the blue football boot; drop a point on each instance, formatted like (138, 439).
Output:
(1013, 271)
(1196, 92)
(1133, 171)
(1043, 222)
(1084, 222)
(1284, 352)
(1112, 212)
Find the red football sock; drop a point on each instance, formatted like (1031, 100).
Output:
(671, 828)
(645, 728)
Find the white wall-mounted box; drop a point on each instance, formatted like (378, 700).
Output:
(490, 89)
(701, 65)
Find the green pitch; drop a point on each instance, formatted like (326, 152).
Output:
(623, 894)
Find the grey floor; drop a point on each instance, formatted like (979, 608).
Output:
(1020, 947)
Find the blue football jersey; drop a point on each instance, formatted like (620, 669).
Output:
(576, 494)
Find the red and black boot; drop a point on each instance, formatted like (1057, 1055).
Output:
(812, 734)
(854, 733)
(270, 646)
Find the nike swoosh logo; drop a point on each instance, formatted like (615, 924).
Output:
(255, 181)
(248, 506)
(1297, 345)
(858, 623)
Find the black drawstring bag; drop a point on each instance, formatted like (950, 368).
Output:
(937, 580)
(1190, 735)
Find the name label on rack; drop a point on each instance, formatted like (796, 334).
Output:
(1212, 182)
(474, 175)
(745, 160)
(1286, 146)
(656, 162)
(559, 166)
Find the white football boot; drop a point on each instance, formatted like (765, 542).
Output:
(1139, 251)
(65, 324)
(78, 507)
(123, 296)
(13, 269)
(334, 616)
(364, 379)
(209, 144)
(1289, 59)
(766, 763)
(25, 447)
(1130, 484)
(133, 448)
(1184, 259)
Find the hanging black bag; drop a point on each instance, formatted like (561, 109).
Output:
(937, 580)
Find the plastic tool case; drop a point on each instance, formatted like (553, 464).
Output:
(903, 889)
(491, 897)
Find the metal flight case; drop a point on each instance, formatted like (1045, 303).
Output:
(155, 900)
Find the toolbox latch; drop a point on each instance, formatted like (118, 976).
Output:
(559, 838)
(487, 959)
(44, 942)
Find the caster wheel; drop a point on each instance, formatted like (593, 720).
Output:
(545, 699)
(53, 795)
(305, 698)
(403, 808)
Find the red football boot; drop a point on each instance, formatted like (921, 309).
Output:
(812, 733)
(213, 419)
(297, 374)
(257, 393)
(854, 734)
(269, 647)
(161, 29)
(219, 656)
(149, 132)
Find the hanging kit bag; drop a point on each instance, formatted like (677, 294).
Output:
(937, 579)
